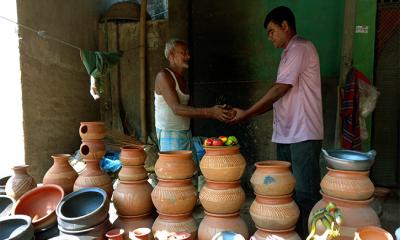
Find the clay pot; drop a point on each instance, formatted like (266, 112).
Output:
(262, 234)
(96, 232)
(16, 227)
(174, 223)
(215, 223)
(132, 156)
(93, 176)
(222, 197)
(174, 196)
(351, 185)
(92, 130)
(133, 198)
(223, 163)
(141, 234)
(20, 183)
(372, 233)
(130, 223)
(356, 214)
(92, 149)
(175, 165)
(61, 173)
(132, 173)
(273, 178)
(115, 234)
(274, 212)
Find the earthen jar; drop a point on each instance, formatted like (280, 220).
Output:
(273, 178)
(351, 185)
(61, 173)
(372, 233)
(132, 156)
(174, 196)
(175, 165)
(92, 130)
(141, 234)
(133, 197)
(215, 223)
(175, 223)
(132, 173)
(223, 163)
(92, 149)
(130, 223)
(274, 212)
(288, 234)
(93, 176)
(20, 183)
(222, 197)
(356, 214)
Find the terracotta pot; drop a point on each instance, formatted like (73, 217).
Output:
(92, 149)
(20, 183)
(173, 223)
(356, 214)
(262, 234)
(130, 223)
(115, 234)
(92, 130)
(215, 223)
(372, 233)
(141, 234)
(175, 165)
(132, 173)
(93, 176)
(273, 178)
(222, 197)
(133, 198)
(223, 163)
(351, 185)
(174, 196)
(274, 212)
(61, 173)
(132, 156)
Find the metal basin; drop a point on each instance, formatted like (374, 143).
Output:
(342, 159)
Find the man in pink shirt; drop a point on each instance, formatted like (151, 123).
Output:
(297, 104)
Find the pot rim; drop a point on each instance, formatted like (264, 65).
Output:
(352, 172)
(374, 229)
(222, 182)
(276, 231)
(222, 215)
(92, 123)
(272, 164)
(186, 214)
(360, 202)
(175, 153)
(25, 218)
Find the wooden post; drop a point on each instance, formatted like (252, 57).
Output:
(142, 69)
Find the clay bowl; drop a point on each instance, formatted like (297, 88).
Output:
(95, 232)
(6, 205)
(82, 209)
(40, 204)
(17, 227)
(372, 233)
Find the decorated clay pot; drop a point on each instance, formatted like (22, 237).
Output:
(175, 165)
(222, 197)
(92, 149)
(274, 212)
(132, 173)
(132, 156)
(223, 163)
(61, 173)
(215, 223)
(273, 178)
(133, 198)
(288, 234)
(174, 223)
(356, 214)
(92, 130)
(174, 196)
(351, 185)
(372, 233)
(20, 183)
(130, 223)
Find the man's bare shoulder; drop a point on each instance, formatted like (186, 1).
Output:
(163, 81)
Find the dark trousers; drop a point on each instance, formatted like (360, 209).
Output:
(304, 157)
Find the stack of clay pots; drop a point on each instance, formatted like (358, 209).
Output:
(222, 195)
(274, 211)
(131, 197)
(174, 196)
(92, 150)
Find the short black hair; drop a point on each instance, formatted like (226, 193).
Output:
(280, 14)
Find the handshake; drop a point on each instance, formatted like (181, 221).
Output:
(226, 113)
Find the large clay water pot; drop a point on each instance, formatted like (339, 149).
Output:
(174, 196)
(92, 149)
(356, 214)
(132, 156)
(130, 223)
(263, 234)
(175, 165)
(20, 183)
(92, 130)
(223, 163)
(175, 223)
(93, 176)
(351, 185)
(215, 223)
(274, 212)
(273, 178)
(61, 173)
(132, 173)
(222, 197)
(133, 197)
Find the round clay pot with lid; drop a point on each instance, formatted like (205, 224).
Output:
(372, 233)
(273, 178)
(61, 173)
(175, 165)
(130, 223)
(132, 156)
(132, 173)
(288, 234)
(20, 183)
(92, 130)
(215, 223)
(174, 223)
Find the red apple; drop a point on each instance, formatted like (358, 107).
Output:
(217, 142)
(208, 142)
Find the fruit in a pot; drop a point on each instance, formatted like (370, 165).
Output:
(217, 142)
